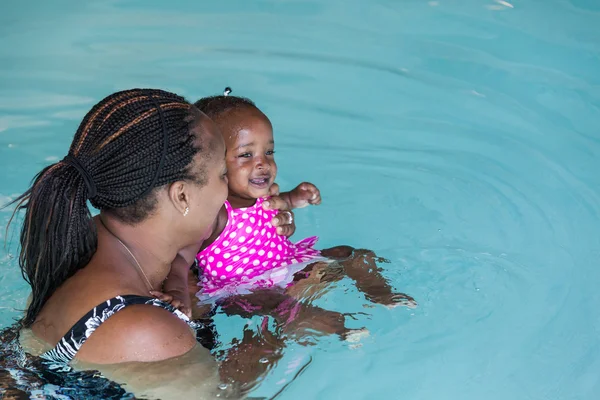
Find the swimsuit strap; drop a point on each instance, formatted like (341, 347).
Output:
(67, 347)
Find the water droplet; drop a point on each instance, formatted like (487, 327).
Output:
(263, 360)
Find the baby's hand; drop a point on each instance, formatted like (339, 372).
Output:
(304, 194)
(273, 190)
(177, 299)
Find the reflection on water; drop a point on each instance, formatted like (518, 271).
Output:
(458, 139)
(24, 377)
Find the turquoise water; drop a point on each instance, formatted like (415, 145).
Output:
(458, 139)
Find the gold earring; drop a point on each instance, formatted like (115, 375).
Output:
(187, 210)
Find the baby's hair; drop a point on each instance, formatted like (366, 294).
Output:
(216, 106)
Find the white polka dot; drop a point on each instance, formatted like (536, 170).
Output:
(253, 220)
(226, 243)
(214, 273)
(240, 225)
(234, 247)
(226, 256)
(229, 268)
(242, 239)
(255, 263)
(274, 263)
(269, 235)
(239, 270)
(236, 258)
(279, 247)
(272, 245)
(223, 277)
(263, 231)
(246, 260)
(265, 263)
(259, 223)
(217, 251)
(244, 249)
(245, 215)
(211, 259)
(253, 251)
(261, 252)
(278, 257)
(249, 271)
(268, 225)
(248, 229)
(208, 267)
(219, 264)
(258, 242)
(260, 212)
(203, 261)
(270, 254)
(232, 235)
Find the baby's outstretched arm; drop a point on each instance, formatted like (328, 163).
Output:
(301, 196)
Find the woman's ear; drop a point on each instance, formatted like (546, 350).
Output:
(178, 194)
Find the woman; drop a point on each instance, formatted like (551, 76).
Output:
(154, 166)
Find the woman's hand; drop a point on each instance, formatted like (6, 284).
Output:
(177, 298)
(284, 220)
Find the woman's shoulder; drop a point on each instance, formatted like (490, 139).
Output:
(141, 333)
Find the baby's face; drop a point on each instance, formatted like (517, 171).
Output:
(251, 167)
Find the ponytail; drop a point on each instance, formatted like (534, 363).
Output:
(58, 236)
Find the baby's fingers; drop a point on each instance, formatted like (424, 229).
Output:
(274, 190)
(167, 298)
(315, 199)
(186, 310)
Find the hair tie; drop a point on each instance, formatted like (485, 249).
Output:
(227, 91)
(87, 178)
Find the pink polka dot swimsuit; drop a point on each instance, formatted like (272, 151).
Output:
(250, 248)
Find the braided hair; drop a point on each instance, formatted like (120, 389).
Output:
(216, 106)
(129, 144)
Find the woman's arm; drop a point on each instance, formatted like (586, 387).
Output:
(175, 287)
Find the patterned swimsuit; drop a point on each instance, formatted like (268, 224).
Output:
(249, 252)
(66, 349)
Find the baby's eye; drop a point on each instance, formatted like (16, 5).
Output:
(245, 155)
(270, 152)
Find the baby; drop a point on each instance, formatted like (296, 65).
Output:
(245, 252)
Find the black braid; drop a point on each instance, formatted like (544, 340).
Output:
(120, 144)
(216, 106)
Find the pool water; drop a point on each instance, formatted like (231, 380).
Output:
(458, 139)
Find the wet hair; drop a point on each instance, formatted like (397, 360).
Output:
(128, 144)
(216, 106)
